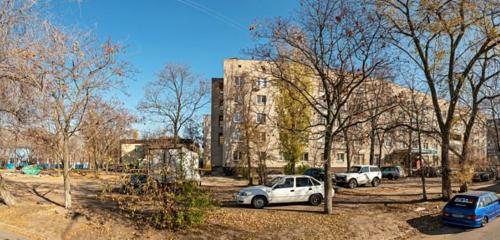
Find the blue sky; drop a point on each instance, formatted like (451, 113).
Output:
(200, 33)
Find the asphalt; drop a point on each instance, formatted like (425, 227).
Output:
(490, 232)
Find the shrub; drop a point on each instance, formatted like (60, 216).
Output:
(299, 169)
(172, 205)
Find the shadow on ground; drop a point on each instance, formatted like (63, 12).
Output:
(432, 225)
(492, 188)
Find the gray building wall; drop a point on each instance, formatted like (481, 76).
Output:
(217, 120)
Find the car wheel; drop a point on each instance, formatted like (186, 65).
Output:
(315, 199)
(396, 177)
(390, 177)
(484, 221)
(259, 202)
(375, 182)
(352, 183)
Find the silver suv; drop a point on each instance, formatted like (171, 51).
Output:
(359, 175)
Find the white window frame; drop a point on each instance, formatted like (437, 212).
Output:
(261, 99)
(237, 117)
(340, 159)
(239, 81)
(262, 118)
(262, 83)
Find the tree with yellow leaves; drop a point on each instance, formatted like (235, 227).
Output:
(294, 115)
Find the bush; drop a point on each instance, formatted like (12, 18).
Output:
(299, 169)
(184, 206)
(172, 205)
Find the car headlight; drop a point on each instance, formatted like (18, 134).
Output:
(244, 194)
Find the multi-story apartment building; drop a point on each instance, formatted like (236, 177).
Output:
(494, 141)
(244, 126)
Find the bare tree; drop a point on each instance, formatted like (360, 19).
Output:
(337, 42)
(174, 98)
(76, 69)
(444, 40)
(104, 125)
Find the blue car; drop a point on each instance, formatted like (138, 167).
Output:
(472, 209)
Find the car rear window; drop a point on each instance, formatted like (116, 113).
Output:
(463, 201)
(302, 182)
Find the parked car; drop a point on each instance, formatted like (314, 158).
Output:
(283, 189)
(359, 175)
(318, 173)
(472, 209)
(428, 171)
(392, 172)
(486, 174)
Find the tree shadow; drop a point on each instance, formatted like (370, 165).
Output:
(42, 196)
(492, 188)
(432, 225)
(387, 201)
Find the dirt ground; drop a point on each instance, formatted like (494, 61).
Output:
(390, 211)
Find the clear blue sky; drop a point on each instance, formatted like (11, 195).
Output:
(200, 33)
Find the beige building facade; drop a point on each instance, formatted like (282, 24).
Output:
(244, 127)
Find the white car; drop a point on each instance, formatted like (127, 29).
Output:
(283, 189)
(359, 175)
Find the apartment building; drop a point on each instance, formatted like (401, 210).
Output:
(244, 126)
(494, 141)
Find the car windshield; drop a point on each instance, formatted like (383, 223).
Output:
(354, 169)
(273, 182)
(461, 201)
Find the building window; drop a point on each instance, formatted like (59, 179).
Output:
(262, 136)
(261, 118)
(340, 157)
(239, 81)
(426, 145)
(262, 83)
(237, 117)
(221, 139)
(238, 99)
(237, 136)
(305, 156)
(261, 99)
(237, 156)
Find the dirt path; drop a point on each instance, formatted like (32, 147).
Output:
(391, 211)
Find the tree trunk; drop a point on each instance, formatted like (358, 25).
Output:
(328, 178)
(347, 148)
(5, 195)
(249, 165)
(422, 165)
(96, 164)
(292, 166)
(445, 166)
(66, 175)
(380, 144)
(372, 147)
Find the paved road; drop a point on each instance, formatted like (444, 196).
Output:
(490, 232)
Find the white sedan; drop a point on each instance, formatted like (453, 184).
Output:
(283, 189)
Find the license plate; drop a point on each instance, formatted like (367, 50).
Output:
(457, 215)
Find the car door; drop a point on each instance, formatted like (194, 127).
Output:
(493, 206)
(363, 177)
(284, 192)
(303, 189)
